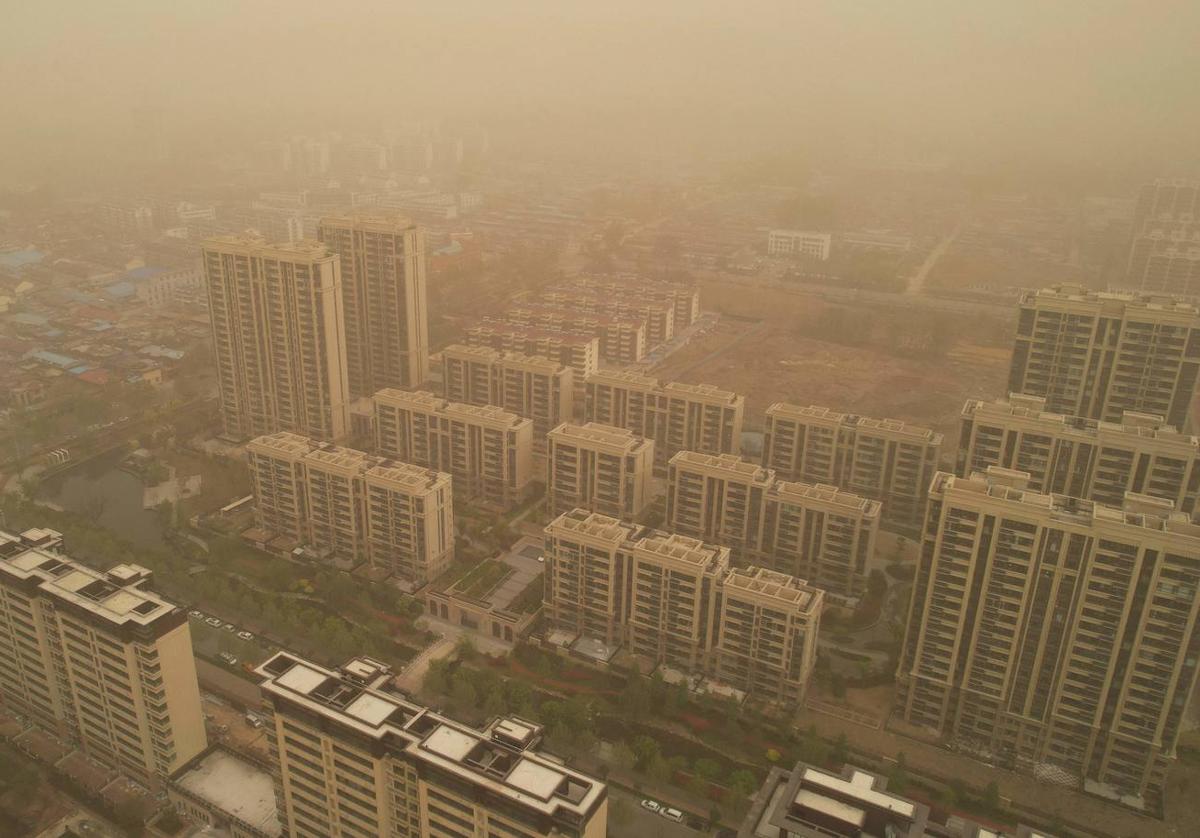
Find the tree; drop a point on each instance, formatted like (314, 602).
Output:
(646, 749)
(623, 756)
(991, 796)
(464, 649)
(841, 750)
(658, 769)
(463, 691)
(898, 777)
(706, 769)
(634, 700)
(743, 783)
(494, 705)
(437, 678)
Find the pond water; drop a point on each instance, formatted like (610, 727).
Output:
(99, 489)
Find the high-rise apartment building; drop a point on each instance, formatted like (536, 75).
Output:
(278, 339)
(1083, 458)
(1164, 249)
(536, 388)
(1054, 633)
(678, 417)
(881, 459)
(383, 298)
(579, 352)
(353, 758)
(1100, 354)
(598, 468)
(673, 601)
(347, 507)
(487, 450)
(818, 533)
(97, 658)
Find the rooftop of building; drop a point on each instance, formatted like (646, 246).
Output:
(503, 327)
(251, 243)
(1140, 514)
(592, 524)
(1147, 300)
(113, 596)
(371, 220)
(503, 356)
(231, 785)
(815, 803)
(817, 413)
(501, 759)
(569, 314)
(730, 464)
(594, 433)
(771, 584)
(824, 493)
(1033, 409)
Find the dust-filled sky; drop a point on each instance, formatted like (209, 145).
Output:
(1054, 79)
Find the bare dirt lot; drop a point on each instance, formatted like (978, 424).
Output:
(768, 362)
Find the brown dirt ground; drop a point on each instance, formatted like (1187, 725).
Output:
(772, 365)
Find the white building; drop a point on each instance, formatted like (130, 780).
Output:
(799, 243)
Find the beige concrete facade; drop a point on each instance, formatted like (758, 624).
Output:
(98, 659)
(278, 337)
(353, 758)
(346, 506)
(1083, 458)
(530, 386)
(673, 601)
(678, 417)
(1100, 354)
(579, 352)
(818, 533)
(487, 450)
(881, 459)
(622, 338)
(1050, 631)
(384, 300)
(658, 316)
(684, 299)
(598, 468)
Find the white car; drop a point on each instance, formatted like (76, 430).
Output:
(229, 627)
(245, 635)
(650, 805)
(196, 615)
(214, 622)
(671, 814)
(228, 658)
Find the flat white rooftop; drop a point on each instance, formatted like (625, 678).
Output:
(236, 787)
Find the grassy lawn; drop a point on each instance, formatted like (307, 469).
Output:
(530, 599)
(482, 578)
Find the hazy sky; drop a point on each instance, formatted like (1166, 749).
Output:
(1057, 77)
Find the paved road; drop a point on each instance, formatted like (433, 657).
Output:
(916, 283)
(645, 824)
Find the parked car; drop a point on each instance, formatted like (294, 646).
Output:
(245, 635)
(214, 622)
(196, 615)
(671, 814)
(229, 627)
(650, 805)
(228, 658)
